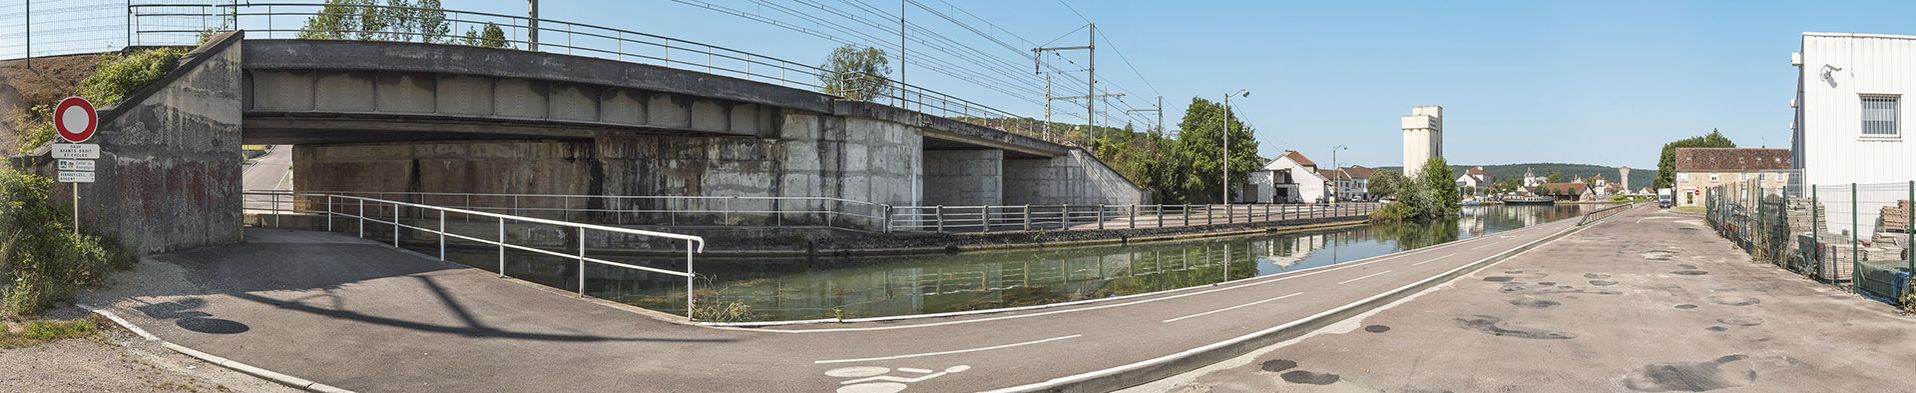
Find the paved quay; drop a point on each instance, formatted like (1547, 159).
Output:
(1676, 308)
(359, 315)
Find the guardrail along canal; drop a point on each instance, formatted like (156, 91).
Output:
(795, 288)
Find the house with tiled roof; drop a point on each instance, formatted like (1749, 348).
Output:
(1474, 181)
(1351, 183)
(1699, 169)
(1291, 178)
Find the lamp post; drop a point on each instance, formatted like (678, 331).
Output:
(1227, 143)
(1336, 187)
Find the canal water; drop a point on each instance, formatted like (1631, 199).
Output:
(769, 289)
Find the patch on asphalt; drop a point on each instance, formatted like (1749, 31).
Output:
(1691, 377)
(1596, 275)
(1277, 365)
(1498, 279)
(1690, 272)
(1535, 303)
(1310, 378)
(1685, 306)
(1716, 328)
(1376, 328)
(211, 325)
(1741, 321)
(1602, 283)
(1497, 327)
(1734, 300)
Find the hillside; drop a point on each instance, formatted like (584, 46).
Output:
(1640, 177)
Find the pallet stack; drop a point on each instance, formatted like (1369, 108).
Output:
(1896, 218)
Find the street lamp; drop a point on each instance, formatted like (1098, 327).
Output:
(1336, 187)
(1227, 143)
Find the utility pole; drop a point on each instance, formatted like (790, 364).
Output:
(1047, 107)
(1159, 110)
(901, 51)
(1337, 187)
(1091, 95)
(532, 25)
(30, 37)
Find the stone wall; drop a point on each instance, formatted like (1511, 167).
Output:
(1076, 178)
(964, 177)
(169, 171)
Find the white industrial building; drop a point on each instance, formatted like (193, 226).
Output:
(1849, 116)
(1423, 137)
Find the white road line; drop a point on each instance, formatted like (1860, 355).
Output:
(946, 352)
(1229, 308)
(1434, 259)
(1360, 278)
(1482, 246)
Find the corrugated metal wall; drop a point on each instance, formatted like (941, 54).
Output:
(1838, 69)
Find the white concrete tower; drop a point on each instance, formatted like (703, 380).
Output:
(1624, 173)
(1423, 137)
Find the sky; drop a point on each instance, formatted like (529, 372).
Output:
(1593, 82)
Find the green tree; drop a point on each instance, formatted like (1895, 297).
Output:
(1553, 177)
(1385, 183)
(1666, 165)
(337, 20)
(1441, 185)
(857, 74)
(430, 20)
(1201, 144)
(492, 37)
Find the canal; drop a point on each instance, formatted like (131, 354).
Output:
(793, 288)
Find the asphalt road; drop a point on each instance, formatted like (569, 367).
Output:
(1677, 308)
(360, 315)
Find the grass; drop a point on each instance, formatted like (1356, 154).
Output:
(1690, 209)
(39, 332)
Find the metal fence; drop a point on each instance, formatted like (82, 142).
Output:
(685, 211)
(359, 212)
(1859, 234)
(164, 24)
(1098, 217)
(816, 212)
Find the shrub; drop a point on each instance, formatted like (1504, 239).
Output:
(40, 255)
(36, 127)
(121, 74)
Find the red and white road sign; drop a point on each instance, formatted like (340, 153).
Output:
(75, 119)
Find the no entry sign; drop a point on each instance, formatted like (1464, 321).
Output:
(75, 119)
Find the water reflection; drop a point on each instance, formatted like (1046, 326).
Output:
(808, 288)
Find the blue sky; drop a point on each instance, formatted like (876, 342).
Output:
(1551, 81)
(1598, 82)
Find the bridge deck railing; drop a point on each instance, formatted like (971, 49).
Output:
(385, 212)
(152, 23)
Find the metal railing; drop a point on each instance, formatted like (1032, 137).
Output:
(155, 24)
(355, 208)
(686, 211)
(1604, 212)
(947, 219)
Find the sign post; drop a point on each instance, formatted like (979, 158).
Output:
(76, 122)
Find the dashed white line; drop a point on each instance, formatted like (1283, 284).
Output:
(1230, 308)
(1488, 244)
(1433, 259)
(1364, 277)
(947, 352)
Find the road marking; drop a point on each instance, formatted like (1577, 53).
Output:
(1229, 308)
(1482, 246)
(1434, 259)
(915, 355)
(1360, 278)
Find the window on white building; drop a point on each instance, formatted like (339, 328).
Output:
(1879, 116)
(1712, 176)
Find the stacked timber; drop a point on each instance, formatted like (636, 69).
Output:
(1896, 218)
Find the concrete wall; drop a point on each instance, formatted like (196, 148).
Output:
(1076, 178)
(812, 156)
(169, 173)
(964, 177)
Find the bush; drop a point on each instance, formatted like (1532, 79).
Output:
(36, 127)
(121, 74)
(41, 257)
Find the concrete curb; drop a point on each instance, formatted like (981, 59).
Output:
(270, 375)
(1170, 365)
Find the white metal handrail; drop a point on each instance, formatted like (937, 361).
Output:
(1100, 217)
(693, 244)
(831, 212)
